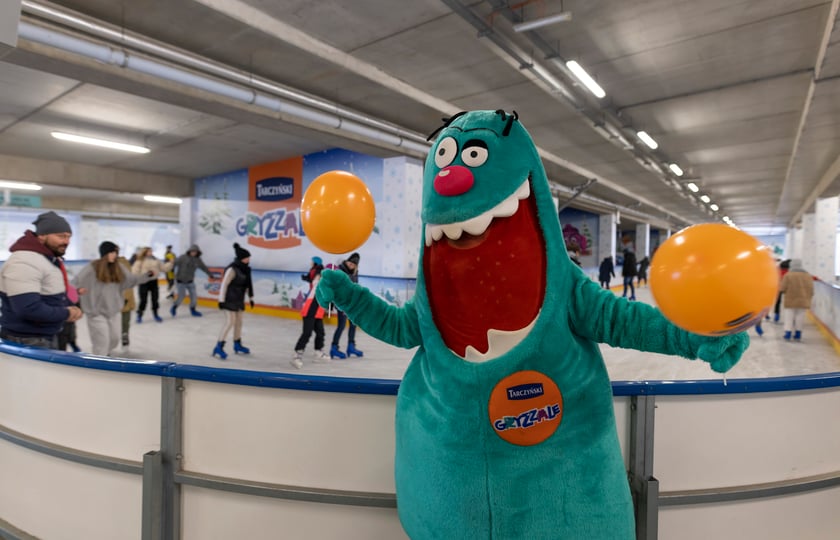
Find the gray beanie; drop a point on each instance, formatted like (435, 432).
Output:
(51, 223)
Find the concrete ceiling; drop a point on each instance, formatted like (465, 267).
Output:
(743, 94)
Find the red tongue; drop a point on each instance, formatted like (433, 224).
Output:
(498, 283)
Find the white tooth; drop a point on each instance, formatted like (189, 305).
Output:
(428, 236)
(478, 224)
(500, 342)
(506, 208)
(437, 233)
(524, 191)
(453, 231)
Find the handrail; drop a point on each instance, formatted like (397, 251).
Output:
(351, 385)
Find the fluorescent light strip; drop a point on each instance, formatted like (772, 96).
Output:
(544, 21)
(647, 139)
(159, 199)
(584, 77)
(714, 207)
(19, 185)
(675, 169)
(100, 142)
(705, 199)
(693, 187)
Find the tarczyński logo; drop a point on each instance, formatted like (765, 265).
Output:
(275, 189)
(525, 391)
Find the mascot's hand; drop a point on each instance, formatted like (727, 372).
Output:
(722, 353)
(334, 287)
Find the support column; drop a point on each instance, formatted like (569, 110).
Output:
(827, 217)
(606, 237)
(808, 247)
(642, 241)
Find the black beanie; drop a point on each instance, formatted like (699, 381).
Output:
(354, 258)
(51, 223)
(107, 247)
(241, 253)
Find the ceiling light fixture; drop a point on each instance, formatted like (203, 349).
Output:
(676, 169)
(693, 187)
(705, 199)
(7, 184)
(714, 207)
(100, 142)
(585, 78)
(524, 26)
(159, 199)
(647, 139)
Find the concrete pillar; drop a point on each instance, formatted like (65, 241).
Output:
(642, 241)
(825, 237)
(796, 243)
(808, 247)
(188, 209)
(606, 237)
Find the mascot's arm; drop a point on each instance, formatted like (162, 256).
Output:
(600, 316)
(397, 326)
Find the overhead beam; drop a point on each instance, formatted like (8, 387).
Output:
(806, 107)
(77, 175)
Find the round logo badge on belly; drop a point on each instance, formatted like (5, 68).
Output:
(525, 408)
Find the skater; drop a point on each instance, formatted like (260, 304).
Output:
(606, 272)
(145, 263)
(169, 257)
(628, 272)
(129, 302)
(643, 268)
(313, 317)
(798, 289)
(185, 267)
(236, 281)
(351, 268)
(101, 284)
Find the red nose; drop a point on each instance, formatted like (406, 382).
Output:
(453, 180)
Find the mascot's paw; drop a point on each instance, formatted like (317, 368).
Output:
(334, 287)
(722, 353)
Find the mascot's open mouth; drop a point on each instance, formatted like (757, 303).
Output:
(486, 277)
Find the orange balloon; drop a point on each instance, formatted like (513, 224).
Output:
(713, 279)
(337, 212)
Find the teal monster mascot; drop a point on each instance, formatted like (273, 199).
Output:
(504, 422)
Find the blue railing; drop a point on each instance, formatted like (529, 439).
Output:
(352, 385)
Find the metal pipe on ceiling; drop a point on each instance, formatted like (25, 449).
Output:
(93, 27)
(107, 54)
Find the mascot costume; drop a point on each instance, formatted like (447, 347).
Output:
(504, 421)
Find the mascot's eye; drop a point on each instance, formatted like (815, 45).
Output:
(446, 152)
(474, 153)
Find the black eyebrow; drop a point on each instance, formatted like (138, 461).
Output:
(446, 122)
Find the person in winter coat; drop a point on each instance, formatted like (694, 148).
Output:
(313, 317)
(169, 256)
(628, 272)
(798, 289)
(101, 284)
(33, 285)
(236, 281)
(350, 266)
(185, 267)
(129, 303)
(606, 272)
(642, 273)
(145, 263)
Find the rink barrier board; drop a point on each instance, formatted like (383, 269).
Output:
(158, 470)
